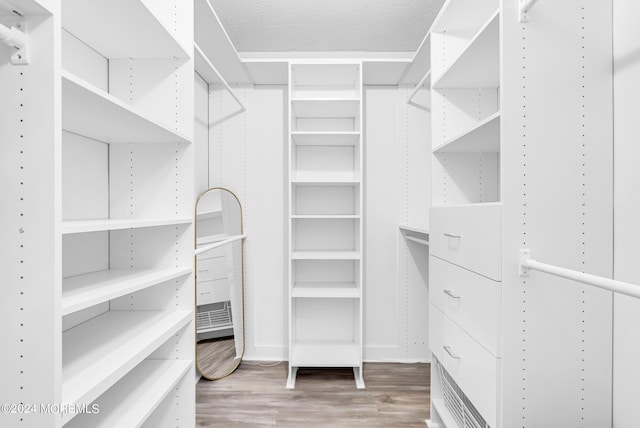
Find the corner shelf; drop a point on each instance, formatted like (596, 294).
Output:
(83, 291)
(134, 398)
(477, 66)
(325, 107)
(112, 28)
(325, 255)
(91, 112)
(92, 363)
(326, 138)
(343, 290)
(83, 226)
(484, 137)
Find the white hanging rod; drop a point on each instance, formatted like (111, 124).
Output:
(527, 263)
(12, 37)
(418, 86)
(210, 247)
(525, 7)
(215, 70)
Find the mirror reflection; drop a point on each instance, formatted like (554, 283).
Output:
(219, 283)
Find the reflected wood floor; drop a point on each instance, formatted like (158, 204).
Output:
(216, 357)
(396, 395)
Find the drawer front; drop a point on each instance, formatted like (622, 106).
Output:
(469, 236)
(211, 254)
(470, 300)
(473, 368)
(212, 269)
(213, 291)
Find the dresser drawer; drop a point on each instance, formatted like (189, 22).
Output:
(212, 269)
(473, 368)
(469, 236)
(213, 291)
(472, 301)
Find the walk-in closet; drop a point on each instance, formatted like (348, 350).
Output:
(322, 213)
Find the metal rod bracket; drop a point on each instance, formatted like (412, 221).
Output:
(524, 7)
(523, 268)
(16, 37)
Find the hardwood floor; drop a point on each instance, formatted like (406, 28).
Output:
(216, 357)
(396, 395)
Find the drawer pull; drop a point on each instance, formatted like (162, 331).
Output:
(450, 293)
(451, 235)
(450, 352)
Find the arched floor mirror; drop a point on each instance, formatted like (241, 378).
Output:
(219, 265)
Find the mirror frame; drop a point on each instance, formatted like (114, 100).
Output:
(195, 282)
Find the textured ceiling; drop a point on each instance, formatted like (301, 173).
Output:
(326, 25)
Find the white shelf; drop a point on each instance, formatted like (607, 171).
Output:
(325, 255)
(99, 352)
(83, 226)
(205, 68)
(325, 107)
(134, 398)
(325, 75)
(347, 290)
(421, 62)
(206, 215)
(215, 43)
(477, 66)
(484, 137)
(414, 229)
(417, 240)
(83, 291)
(324, 177)
(90, 111)
(325, 354)
(326, 216)
(326, 138)
(120, 29)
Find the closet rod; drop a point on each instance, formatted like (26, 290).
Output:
(418, 86)
(526, 263)
(219, 244)
(13, 37)
(215, 70)
(525, 7)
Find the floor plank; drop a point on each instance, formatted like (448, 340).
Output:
(396, 395)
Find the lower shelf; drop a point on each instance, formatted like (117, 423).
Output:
(99, 352)
(325, 290)
(326, 355)
(130, 401)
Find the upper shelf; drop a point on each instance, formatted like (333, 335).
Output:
(113, 29)
(101, 225)
(215, 43)
(89, 111)
(484, 137)
(346, 138)
(420, 64)
(477, 66)
(322, 107)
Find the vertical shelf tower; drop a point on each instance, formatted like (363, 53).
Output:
(106, 132)
(325, 217)
(522, 158)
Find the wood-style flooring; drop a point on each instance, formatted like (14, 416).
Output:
(216, 357)
(396, 395)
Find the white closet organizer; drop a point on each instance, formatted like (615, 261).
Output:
(325, 217)
(509, 351)
(120, 298)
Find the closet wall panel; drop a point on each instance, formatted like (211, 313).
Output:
(626, 372)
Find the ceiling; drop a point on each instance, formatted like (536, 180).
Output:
(326, 25)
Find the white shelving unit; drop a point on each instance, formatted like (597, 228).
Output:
(509, 170)
(325, 217)
(105, 108)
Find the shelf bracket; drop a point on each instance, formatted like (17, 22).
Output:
(16, 37)
(525, 7)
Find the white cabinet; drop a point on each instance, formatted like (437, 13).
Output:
(521, 158)
(325, 217)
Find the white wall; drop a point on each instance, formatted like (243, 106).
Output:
(248, 155)
(626, 370)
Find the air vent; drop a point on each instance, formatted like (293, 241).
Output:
(464, 413)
